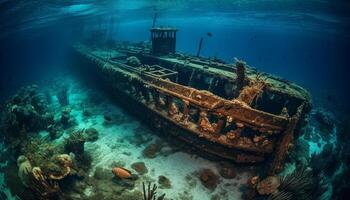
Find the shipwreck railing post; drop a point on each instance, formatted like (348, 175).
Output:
(156, 96)
(284, 145)
(169, 102)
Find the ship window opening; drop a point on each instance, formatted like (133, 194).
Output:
(183, 77)
(270, 103)
(179, 104)
(193, 114)
(229, 127)
(248, 132)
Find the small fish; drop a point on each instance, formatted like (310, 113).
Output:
(209, 34)
(121, 173)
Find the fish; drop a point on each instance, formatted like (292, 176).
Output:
(121, 173)
(209, 34)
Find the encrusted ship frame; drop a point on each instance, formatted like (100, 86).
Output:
(213, 106)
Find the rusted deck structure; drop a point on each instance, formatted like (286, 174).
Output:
(227, 110)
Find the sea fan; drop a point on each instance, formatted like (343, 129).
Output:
(302, 184)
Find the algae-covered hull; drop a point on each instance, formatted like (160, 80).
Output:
(227, 110)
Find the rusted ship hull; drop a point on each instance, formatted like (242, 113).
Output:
(228, 129)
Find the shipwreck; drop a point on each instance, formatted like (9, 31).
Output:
(229, 110)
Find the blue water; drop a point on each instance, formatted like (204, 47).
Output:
(304, 41)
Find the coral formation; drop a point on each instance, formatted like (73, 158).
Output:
(301, 184)
(24, 169)
(91, 134)
(43, 188)
(66, 119)
(268, 186)
(58, 167)
(26, 112)
(325, 119)
(133, 61)
(75, 143)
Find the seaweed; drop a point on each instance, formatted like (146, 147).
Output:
(151, 193)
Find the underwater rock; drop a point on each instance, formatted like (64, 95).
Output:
(24, 168)
(152, 150)
(208, 178)
(133, 61)
(227, 171)
(91, 134)
(164, 182)
(268, 186)
(140, 168)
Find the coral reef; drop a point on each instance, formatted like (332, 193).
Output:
(26, 112)
(58, 167)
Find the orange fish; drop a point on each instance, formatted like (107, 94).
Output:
(121, 172)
